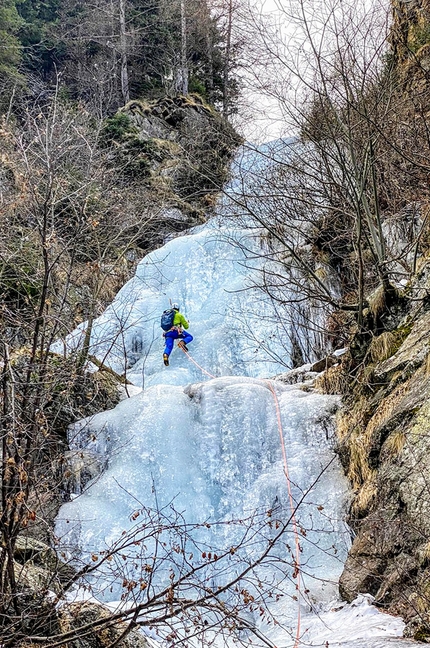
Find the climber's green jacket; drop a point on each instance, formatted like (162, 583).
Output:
(179, 320)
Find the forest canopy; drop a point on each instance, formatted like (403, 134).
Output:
(106, 53)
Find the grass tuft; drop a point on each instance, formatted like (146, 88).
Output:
(395, 443)
(384, 346)
(366, 495)
(333, 381)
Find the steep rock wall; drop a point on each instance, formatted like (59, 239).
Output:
(179, 149)
(384, 444)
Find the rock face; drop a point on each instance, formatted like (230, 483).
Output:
(79, 616)
(384, 440)
(410, 26)
(180, 149)
(384, 443)
(41, 578)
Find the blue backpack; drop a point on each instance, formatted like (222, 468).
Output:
(167, 319)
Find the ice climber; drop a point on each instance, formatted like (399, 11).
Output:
(176, 332)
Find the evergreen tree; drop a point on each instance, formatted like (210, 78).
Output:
(110, 51)
(10, 51)
(42, 50)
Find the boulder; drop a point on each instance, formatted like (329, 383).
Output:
(40, 560)
(411, 354)
(79, 617)
(324, 364)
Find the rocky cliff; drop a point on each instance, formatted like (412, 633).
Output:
(384, 444)
(383, 429)
(179, 150)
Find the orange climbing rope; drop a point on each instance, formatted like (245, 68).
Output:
(196, 363)
(296, 573)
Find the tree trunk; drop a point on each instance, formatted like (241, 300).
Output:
(226, 70)
(210, 82)
(182, 81)
(123, 47)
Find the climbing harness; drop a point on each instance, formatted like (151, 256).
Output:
(296, 574)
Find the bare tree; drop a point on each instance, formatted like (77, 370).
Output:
(342, 100)
(67, 212)
(63, 247)
(123, 44)
(226, 71)
(182, 85)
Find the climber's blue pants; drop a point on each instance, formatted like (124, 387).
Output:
(173, 335)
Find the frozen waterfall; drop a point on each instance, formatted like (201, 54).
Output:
(193, 471)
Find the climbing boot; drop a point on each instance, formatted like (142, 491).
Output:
(182, 345)
(166, 359)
